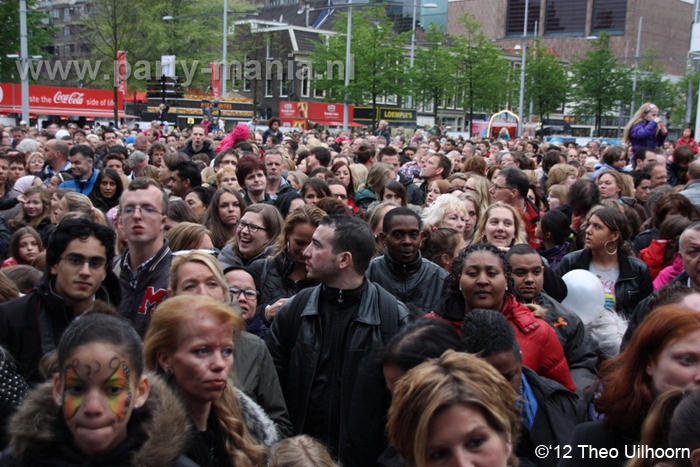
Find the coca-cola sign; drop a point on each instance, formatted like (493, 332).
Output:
(74, 98)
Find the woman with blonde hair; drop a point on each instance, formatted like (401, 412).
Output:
(557, 195)
(35, 163)
(378, 175)
(644, 129)
(182, 326)
(226, 176)
(563, 174)
(481, 187)
(297, 179)
(35, 212)
(446, 211)
(300, 451)
(471, 201)
(501, 226)
(189, 236)
(359, 175)
(437, 404)
(79, 203)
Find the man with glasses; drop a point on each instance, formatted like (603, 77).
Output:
(144, 267)
(77, 274)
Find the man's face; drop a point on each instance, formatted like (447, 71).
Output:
(642, 191)
(77, 284)
(447, 147)
(157, 158)
(110, 139)
(5, 138)
(402, 238)
(321, 262)
(115, 164)
(648, 157)
(528, 275)
(228, 159)
(507, 364)
(500, 190)
(690, 253)
(240, 279)
(392, 160)
(312, 161)
(431, 167)
(141, 227)
(658, 176)
(81, 166)
(17, 136)
(197, 136)
(179, 186)
(273, 163)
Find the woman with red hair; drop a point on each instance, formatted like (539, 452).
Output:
(661, 356)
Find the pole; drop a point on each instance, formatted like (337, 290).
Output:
(697, 115)
(522, 73)
(224, 68)
(413, 47)
(348, 41)
(24, 57)
(636, 66)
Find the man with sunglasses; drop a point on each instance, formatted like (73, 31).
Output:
(144, 267)
(77, 274)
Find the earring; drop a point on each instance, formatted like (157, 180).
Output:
(605, 247)
(136, 406)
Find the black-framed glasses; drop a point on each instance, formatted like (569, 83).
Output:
(252, 228)
(250, 294)
(76, 260)
(496, 187)
(150, 211)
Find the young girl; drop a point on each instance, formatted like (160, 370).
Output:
(100, 409)
(35, 211)
(25, 245)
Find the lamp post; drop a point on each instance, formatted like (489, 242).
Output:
(523, 62)
(23, 59)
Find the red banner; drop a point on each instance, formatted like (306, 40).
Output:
(216, 79)
(121, 73)
(327, 114)
(50, 100)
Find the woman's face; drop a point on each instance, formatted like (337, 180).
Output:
(302, 166)
(230, 180)
(198, 279)
(554, 202)
(456, 219)
(229, 209)
(460, 435)
(392, 196)
(483, 281)
(500, 228)
(16, 171)
(97, 392)
(33, 208)
(677, 366)
(293, 182)
(570, 180)
(62, 209)
(108, 188)
(164, 174)
(298, 240)
(203, 359)
(343, 174)
(311, 196)
(433, 193)
(598, 234)
(470, 219)
(494, 175)
(28, 249)
(196, 205)
(251, 243)
(36, 164)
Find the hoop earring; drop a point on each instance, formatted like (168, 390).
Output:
(605, 247)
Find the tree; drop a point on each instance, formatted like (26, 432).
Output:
(378, 57)
(38, 36)
(686, 94)
(484, 73)
(651, 85)
(546, 82)
(600, 84)
(433, 78)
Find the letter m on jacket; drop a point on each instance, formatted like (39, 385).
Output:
(151, 299)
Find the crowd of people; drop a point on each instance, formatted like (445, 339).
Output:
(388, 297)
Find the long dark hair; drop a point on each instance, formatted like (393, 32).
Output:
(616, 221)
(100, 202)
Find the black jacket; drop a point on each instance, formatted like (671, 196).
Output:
(156, 436)
(413, 193)
(206, 149)
(295, 345)
(272, 276)
(633, 285)
(558, 412)
(597, 435)
(31, 326)
(572, 335)
(418, 283)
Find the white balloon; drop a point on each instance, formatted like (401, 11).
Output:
(586, 296)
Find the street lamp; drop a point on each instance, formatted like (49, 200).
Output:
(522, 72)
(224, 52)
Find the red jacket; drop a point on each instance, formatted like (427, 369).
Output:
(653, 257)
(688, 142)
(539, 345)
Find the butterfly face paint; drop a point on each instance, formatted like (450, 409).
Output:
(118, 388)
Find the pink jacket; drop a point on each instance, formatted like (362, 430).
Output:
(667, 274)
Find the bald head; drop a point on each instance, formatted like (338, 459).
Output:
(694, 170)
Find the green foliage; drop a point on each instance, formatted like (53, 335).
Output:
(434, 76)
(679, 107)
(651, 85)
(378, 58)
(600, 84)
(546, 81)
(38, 36)
(487, 80)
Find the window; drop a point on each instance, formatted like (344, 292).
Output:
(515, 17)
(319, 94)
(66, 31)
(305, 82)
(246, 81)
(391, 100)
(284, 84)
(268, 87)
(609, 16)
(565, 18)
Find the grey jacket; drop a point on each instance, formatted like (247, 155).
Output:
(692, 192)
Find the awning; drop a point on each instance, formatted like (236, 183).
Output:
(335, 123)
(64, 112)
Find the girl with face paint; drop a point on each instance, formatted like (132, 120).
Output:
(100, 409)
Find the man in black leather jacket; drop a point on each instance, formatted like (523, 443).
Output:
(325, 342)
